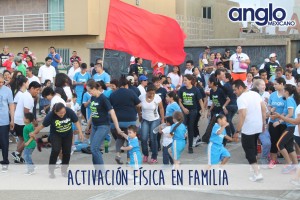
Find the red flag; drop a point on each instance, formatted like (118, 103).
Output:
(144, 34)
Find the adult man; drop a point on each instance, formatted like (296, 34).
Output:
(189, 67)
(3, 57)
(34, 89)
(26, 52)
(254, 70)
(201, 56)
(101, 75)
(7, 113)
(236, 61)
(47, 71)
(30, 76)
(278, 74)
(14, 66)
(56, 59)
(252, 119)
(271, 66)
(226, 58)
(19, 65)
(74, 57)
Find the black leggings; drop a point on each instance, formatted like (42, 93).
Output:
(58, 143)
(275, 134)
(286, 141)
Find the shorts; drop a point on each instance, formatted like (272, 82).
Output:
(216, 153)
(286, 141)
(297, 140)
(135, 160)
(241, 76)
(177, 148)
(19, 130)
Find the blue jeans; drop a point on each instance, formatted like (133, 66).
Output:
(266, 143)
(147, 130)
(232, 109)
(97, 138)
(27, 156)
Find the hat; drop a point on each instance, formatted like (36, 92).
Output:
(11, 55)
(130, 78)
(272, 55)
(207, 47)
(160, 64)
(267, 60)
(143, 78)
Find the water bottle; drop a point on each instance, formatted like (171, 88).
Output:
(106, 146)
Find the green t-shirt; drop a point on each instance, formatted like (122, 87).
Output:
(22, 69)
(28, 129)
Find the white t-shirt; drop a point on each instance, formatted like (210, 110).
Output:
(291, 82)
(22, 100)
(166, 136)
(251, 101)
(75, 107)
(33, 78)
(175, 79)
(47, 73)
(265, 98)
(72, 72)
(56, 99)
(141, 89)
(297, 112)
(236, 58)
(150, 110)
(68, 92)
(187, 71)
(297, 60)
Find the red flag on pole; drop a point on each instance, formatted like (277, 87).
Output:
(144, 34)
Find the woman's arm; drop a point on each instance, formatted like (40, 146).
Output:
(78, 126)
(115, 120)
(36, 130)
(161, 112)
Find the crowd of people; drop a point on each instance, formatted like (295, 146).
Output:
(163, 113)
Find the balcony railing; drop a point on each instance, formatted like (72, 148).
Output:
(32, 22)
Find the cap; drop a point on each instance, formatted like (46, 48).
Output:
(272, 55)
(207, 47)
(267, 60)
(130, 78)
(160, 64)
(143, 78)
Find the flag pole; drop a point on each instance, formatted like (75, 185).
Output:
(103, 55)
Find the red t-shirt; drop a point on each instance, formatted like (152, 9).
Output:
(29, 63)
(7, 64)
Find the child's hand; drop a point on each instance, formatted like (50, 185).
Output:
(235, 139)
(227, 124)
(122, 148)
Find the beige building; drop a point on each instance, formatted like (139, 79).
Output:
(80, 24)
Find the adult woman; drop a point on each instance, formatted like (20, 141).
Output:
(276, 126)
(103, 89)
(74, 69)
(29, 61)
(176, 77)
(60, 120)
(249, 81)
(7, 77)
(124, 102)
(189, 100)
(150, 119)
(100, 107)
(64, 82)
(13, 82)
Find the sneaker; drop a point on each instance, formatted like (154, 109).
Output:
(295, 182)
(145, 159)
(73, 149)
(4, 168)
(264, 163)
(272, 164)
(58, 162)
(195, 140)
(191, 150)
(28, 173)
(255, 178)
(288, 169)
(64, 174)
(16, 156)
(153, 161)
(198, 142)
(39, 143)
(22, 160)
(118, 160)
(52, 175)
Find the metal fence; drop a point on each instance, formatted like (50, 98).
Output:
(32, 22)
(196, 28)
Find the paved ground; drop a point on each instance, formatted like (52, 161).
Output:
(199, 157)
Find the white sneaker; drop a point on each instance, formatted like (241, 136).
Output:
(73, 149)
(195, 140)
(59, 161)
(257, 177)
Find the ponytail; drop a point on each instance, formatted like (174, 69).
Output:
(292, 90)
(179, 117)
(20, 80)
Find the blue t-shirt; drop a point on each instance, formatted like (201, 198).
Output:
(277, 102)
(171, 108)
(6, 98)
(54, 63)
(134, 143)
(81, 78)
(214, 137)
(124, 101)
(102, 77)
(107, 92)
(179, 133)
(290, 103)
(86, 98)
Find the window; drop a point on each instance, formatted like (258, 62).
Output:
(206, 12)
(65, 55)
(56, 15)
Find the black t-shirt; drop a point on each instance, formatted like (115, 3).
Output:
(137, 69)
(229, 93)
(62, 126)
(218, 98)
(226, 63)
(162, 92)
(271, 68)
(99, 110)
(3, 58)
(135, 90)
(124, 101)
(190, 97)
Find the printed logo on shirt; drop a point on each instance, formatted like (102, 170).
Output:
(215, 100)
(273, 69)
(63, 126)
(187, 98)
(94, 112)
(140, 69)
(277, 104)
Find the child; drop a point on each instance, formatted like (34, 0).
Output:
(167, 141)
(44, 102)
(76, 108)
(179, 133)
(170, 82)
(216, 151)
(167, 86)
(133, 147)
(29, 142)
(172, 106)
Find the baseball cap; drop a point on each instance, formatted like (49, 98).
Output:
(267, 60)
(272, 55)
(143, 78)
(207, 47)
(160, 64)
(130, 78)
